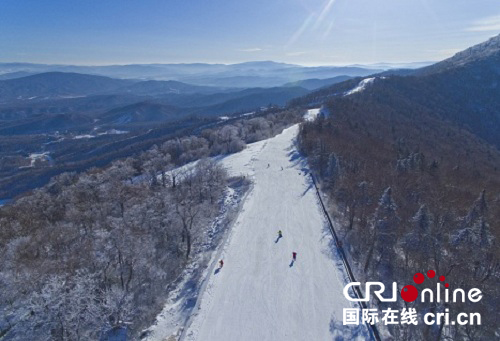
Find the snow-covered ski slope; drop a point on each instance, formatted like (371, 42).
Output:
(311, 114)
(260, 294)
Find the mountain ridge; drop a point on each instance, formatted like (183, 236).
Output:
(473, 54)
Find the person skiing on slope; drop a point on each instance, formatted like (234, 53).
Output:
(280, 235)
(294, 256)
(221, 263)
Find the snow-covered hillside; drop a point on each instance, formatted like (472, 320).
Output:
(260, 294)
(361, 86)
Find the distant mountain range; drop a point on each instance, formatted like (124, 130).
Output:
(316, 83)
(52, 85)
(121, 95)
(57, 85)
(242, 75)
(40, 98)
(74, 112)
(28, 104)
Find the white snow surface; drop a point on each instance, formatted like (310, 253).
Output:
(85, 136)
(260, 294)
(114, 132)
(43, 156)
(311, 114)
(361, 86)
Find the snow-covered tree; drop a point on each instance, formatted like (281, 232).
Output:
(381, 254)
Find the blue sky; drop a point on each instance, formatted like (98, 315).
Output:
(308, 32)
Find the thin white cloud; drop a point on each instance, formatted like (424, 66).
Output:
(297, 53)
(253, 49)
(486, 24)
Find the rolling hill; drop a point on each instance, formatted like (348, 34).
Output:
(316, 83)
(57, 85)
(142, 112)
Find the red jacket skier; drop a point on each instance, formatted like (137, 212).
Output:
(294, 255)
(221, 263)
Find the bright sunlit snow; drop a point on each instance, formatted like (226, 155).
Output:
(361, 86)
(260, 294)
(311, 114)
(86, 136)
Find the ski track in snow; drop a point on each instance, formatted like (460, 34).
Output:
(361, 86)
(259, 294)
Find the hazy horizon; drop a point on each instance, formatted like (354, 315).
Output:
(235, 63)
(309, 33)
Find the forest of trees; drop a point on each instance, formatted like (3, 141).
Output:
(104, 247)
(100, 247)
(413, 193)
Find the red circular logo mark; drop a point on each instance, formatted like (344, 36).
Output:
(409, 293)
(418, 278)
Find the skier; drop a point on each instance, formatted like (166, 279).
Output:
(280, 235)
(294, 256)
(221, 264)
(268, 165)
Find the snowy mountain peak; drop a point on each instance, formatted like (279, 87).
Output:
(479, 51)
(484, 51)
